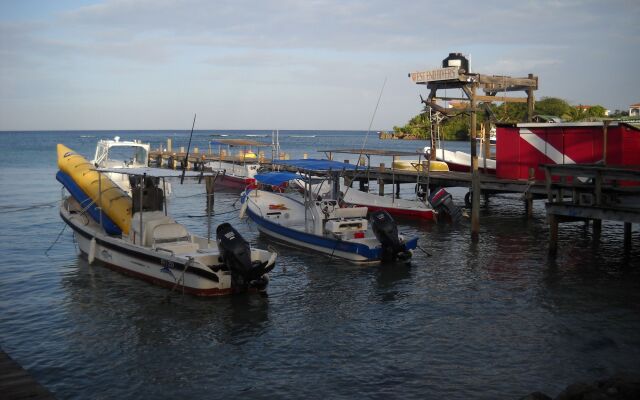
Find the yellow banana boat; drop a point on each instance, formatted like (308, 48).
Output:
(113, 200)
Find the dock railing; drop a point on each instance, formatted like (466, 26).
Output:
(592, 192)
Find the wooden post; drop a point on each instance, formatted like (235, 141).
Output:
(381, 181)
(487, 143)
(605, 127)
(530, 101)
(553, 234)
(597, 229)
(397, 190)
(529, 195)
(209, 182)
(169, 145)
(627, 236)
(475, 177)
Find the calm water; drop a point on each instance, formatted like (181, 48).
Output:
(494, 320)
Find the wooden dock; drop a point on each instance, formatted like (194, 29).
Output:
(579, 192)
(18, 384)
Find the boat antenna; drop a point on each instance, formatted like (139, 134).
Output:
(364, 142)
(375, 110)
(186, 158)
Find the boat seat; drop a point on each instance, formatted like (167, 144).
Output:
(173, 237)
(350, 212)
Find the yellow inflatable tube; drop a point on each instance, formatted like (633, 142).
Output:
(114, 201)
(412, 165)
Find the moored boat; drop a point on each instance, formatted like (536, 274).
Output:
(135, 236)
(320, 224)
(461, 161)
(236, 170)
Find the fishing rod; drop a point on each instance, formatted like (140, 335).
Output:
(186, 158)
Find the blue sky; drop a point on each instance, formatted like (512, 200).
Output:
(316, 64)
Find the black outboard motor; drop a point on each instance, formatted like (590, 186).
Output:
(386, 230)
(442, 202)
(236, 255)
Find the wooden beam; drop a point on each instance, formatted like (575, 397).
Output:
(507, 81)
(501, 98)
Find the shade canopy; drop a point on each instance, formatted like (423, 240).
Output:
(276, 178)
(316, 165)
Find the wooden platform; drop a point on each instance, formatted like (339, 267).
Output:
(595, 193)
(17, 384)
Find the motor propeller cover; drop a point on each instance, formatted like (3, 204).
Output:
(386, 231)
(236, 255)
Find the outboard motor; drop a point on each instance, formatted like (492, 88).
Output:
(386, 230)
(442, 202)
(236, 255)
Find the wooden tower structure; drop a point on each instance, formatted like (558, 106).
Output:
(455, 74)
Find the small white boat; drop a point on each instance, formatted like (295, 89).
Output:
(411, 208)
(116, 153)
(321, 224)
(461, 161)
(135, 236)
(236, 170)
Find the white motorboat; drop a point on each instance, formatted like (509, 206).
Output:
(135, 236)
(397, 207)
(320, 224)
(461, 161)
(115, 153)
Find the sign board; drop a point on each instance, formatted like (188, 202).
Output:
(440, 74)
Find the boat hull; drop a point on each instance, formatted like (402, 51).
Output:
(349, 250)
(155, 266)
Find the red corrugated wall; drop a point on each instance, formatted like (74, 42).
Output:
(526, 146)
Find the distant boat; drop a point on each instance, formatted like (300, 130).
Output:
(249, 135)
(236, 170)
(218, 135)
(87, 136)
(303, 136)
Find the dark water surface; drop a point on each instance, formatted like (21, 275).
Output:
(494, 320)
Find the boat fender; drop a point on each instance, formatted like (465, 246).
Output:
(236, 255)
(386, 231)
(91, 256)
(243, 208)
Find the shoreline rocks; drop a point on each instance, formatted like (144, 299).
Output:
(621, 386)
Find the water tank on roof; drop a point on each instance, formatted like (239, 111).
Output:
(456, 60)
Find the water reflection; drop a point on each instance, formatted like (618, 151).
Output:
(110, 305)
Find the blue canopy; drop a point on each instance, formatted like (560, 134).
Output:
(276, 178)
(316, 165)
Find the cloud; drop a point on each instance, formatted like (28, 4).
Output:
(316, 54)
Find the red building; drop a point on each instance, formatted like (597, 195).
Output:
(528, 145)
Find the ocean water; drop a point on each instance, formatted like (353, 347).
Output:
(496, 319)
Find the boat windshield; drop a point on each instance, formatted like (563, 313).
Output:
(122, 156)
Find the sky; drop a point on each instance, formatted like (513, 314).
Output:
(285, 64)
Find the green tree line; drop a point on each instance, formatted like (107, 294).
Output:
(458, 127)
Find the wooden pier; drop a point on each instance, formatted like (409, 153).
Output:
(18, 384)
(195, 159)
(594, 193)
